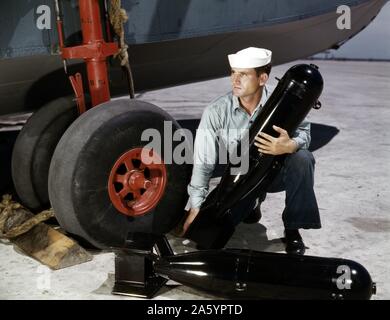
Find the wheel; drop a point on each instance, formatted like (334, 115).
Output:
(101, 187)
(34, 148)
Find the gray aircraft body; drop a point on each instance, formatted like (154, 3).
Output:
(170, 42)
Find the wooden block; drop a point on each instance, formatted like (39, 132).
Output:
(51, 247)
(37, 239)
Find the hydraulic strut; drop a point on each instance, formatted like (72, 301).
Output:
(94, 51)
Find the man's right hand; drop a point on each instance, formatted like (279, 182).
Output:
(192, 213)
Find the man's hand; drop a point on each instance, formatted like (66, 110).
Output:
(275, 146)
(191, 216)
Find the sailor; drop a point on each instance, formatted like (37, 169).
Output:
(224, 118)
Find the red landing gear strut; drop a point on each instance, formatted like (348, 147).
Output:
(134, 187)
(94, 51)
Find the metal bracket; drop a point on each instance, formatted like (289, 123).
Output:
(77, 85)
(134, 272)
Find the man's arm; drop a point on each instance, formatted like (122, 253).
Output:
(205, 159)
(284, 144)
(302, 135)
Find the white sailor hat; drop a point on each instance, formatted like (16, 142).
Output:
(250, 58)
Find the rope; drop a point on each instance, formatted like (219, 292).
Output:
(8, 207)
(118, 17)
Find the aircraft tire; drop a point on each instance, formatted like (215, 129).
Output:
(34, 148)
(85, 160)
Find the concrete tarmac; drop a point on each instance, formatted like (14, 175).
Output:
(351, 145)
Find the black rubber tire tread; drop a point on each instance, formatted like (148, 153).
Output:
(34, 148)
(82, 163)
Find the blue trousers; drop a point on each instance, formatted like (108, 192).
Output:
(296, 177)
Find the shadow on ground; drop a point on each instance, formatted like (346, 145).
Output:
(254, 237)
(7, 140)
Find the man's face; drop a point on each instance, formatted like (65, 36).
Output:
(246, 82)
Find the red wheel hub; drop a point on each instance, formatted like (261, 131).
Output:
(137, 181)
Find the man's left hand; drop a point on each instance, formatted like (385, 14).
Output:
(275, 146)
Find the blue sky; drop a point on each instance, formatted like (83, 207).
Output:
(372, 43)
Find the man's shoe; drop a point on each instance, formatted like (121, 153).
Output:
(254, 216)
(294, 242)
